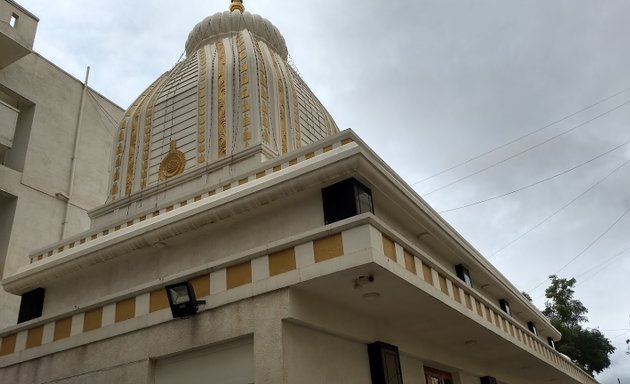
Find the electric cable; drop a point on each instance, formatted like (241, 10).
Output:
(108, 116)
(528, 149)
(537, 182)
(559, 210)
(602, 266)
(585, 249)
(520, 137)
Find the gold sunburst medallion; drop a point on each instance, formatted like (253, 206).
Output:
(173, 164)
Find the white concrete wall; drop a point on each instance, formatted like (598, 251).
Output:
(131, 358)
(313, 357)
(38, 166)
(240, 232)
(229, 363)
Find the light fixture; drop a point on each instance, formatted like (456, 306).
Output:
(182, 299)
(371, 296)
(360, 281)
(422, 235)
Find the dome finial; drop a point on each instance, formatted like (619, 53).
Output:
(237, 5)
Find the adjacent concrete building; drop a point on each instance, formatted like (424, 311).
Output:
(315, 261)
(56, 140)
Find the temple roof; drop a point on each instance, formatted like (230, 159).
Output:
(234, 98)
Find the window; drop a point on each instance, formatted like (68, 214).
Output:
(384, 363)
(14, 20)
(346, 199)
(532, 327)
(31, 305)
(463, 274)
(433, 376)
(505, 306)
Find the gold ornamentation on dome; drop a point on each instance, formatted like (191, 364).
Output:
(296, 118)
(201, 121)
(237, 5)
(221, 101)
(281, 104)
(173, 164)
(244, 83)
(262, 92)
(133, 142)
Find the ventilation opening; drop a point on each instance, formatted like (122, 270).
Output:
(346, 199)
(14, 20)
(31, 305)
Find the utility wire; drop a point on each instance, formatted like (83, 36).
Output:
(602, 265)
(537, 182)
(559, 210)
(520, 138)
(528, 149)
(585, 249)
(109, 117)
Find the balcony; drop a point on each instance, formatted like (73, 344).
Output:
(17, 32)
(8, 121)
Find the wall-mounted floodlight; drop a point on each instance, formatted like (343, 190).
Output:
(182, 299)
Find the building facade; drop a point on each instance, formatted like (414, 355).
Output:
(312, 261)
(55, 147)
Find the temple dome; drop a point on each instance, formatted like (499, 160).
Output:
(233, 98)
(227, 23)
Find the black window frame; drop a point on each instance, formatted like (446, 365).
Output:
(345, 199)
(464, 274)
(532, 327)
(380, 356)
(505, 306)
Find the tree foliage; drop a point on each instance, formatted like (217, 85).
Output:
(588, 348)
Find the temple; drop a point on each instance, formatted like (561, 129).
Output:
(243, 238)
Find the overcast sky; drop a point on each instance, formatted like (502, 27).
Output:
(429, 85)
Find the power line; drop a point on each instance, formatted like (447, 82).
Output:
(537, 182)
(520, 138)
(112, 120)
(585, 249)
(602, 265)
(527, 149)
(560, 209)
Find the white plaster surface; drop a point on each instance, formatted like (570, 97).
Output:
(218, 281)
(49, 101)
(313, 357)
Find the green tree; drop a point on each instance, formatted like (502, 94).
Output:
(588, 348)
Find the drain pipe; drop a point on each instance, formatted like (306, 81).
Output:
(75, 153)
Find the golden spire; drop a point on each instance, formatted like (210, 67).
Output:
(237, 5)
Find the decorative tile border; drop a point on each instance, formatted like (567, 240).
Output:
(206, 285)
(87, 237)
(475, 305)
(405, 260)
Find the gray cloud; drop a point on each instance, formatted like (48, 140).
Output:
(428, 84)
